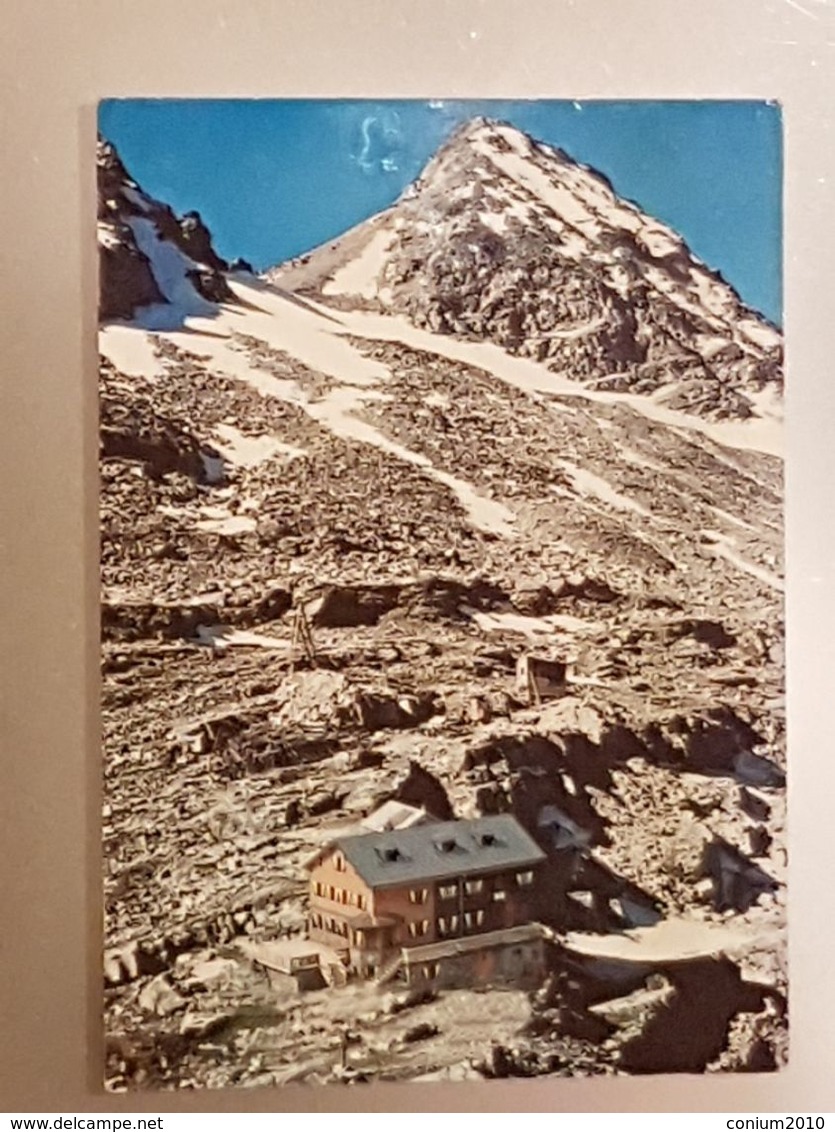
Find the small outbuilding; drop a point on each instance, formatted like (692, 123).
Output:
(299, 964)
(538, 678)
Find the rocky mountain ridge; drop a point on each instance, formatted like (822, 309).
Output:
(505, 238)
(147, 255)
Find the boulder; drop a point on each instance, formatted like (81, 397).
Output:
(159, 997)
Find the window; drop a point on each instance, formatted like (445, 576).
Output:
(447, 891)
(499, 894)
(453, 923)
(524, 879)
(339, 862)
(360, 938)
(418, 928)
(418, 896)
(479, 917)
(331, 892)
(361, 903)
(473, 887)
(442, 925)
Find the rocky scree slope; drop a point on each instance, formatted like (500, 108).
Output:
(434, 519)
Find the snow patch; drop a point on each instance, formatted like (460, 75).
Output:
(716, 297)
(106, 235)
(531, 626)
(227, 525)
(495, 220)
(668, 941)
(171, 269)
(249, 451)
(729, 518)
(759, 333)
(637, 459)
(359, 276)
(313, 337)
(758, 435)
(659, 242)
(708, 345)
(524, 172)
(585, 482)
(131, 351)
(725, 548)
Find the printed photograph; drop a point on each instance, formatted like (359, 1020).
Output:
(442, 627)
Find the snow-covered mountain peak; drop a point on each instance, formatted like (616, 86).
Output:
(509, 239)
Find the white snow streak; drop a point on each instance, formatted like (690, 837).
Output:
(759, 435)
(724, 547)
(315, 335)
(359, 276)
(130, 350)
(170, 268)
(585, 482)
(248, 451)
(313, 338)
(532, 626)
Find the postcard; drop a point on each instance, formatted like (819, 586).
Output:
(442, 632)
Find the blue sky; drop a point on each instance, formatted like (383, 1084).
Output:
(274, 178)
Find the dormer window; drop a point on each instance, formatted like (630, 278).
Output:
(488, 840)
(449, 845)
(390, 855)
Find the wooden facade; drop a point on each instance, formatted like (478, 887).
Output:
(371, 920)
